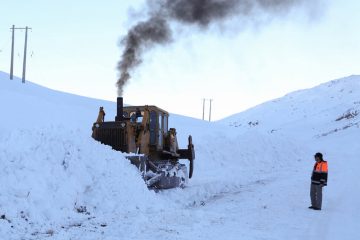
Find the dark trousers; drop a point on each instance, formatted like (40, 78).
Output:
(316, 195)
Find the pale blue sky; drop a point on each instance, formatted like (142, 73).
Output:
(73, 47)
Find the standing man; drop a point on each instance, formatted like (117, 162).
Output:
(318, 181)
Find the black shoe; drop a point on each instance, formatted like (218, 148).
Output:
(316, 208)
(311, 207)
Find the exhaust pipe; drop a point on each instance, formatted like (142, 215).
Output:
(120, 112)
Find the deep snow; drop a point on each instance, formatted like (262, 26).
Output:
(251, 178)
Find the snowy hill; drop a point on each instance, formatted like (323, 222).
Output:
(323, 110)
(251, 177)
(30, 105)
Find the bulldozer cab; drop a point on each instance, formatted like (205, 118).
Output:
(154, 119)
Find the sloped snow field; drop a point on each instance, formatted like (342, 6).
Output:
(251, 178)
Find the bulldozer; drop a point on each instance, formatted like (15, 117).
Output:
(142, 133)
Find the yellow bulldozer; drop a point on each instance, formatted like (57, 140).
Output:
(142, 132)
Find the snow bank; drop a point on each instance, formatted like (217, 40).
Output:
(52, 172)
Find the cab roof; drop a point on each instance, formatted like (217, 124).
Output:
(150, 107)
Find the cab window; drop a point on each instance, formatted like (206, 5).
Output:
(160, 133)
(153, 119)
(165, 123)
(136, 116)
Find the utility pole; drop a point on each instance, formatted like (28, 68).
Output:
(203, 115)
(24, 61)
(210, 111)
(203, 108)
(12, 52)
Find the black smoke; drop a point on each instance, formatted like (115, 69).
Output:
(156, 29)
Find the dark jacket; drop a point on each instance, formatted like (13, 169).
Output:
(320, 173)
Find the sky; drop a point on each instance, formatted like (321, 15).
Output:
(74, 46)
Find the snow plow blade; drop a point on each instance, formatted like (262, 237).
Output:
(160, 174)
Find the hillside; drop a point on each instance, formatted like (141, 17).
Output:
(322, 110)
(251, 181)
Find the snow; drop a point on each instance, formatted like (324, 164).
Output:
(251, 178)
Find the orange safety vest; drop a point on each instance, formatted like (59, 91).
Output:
(321, 167)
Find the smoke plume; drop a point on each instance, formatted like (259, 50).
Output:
(156, 29)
